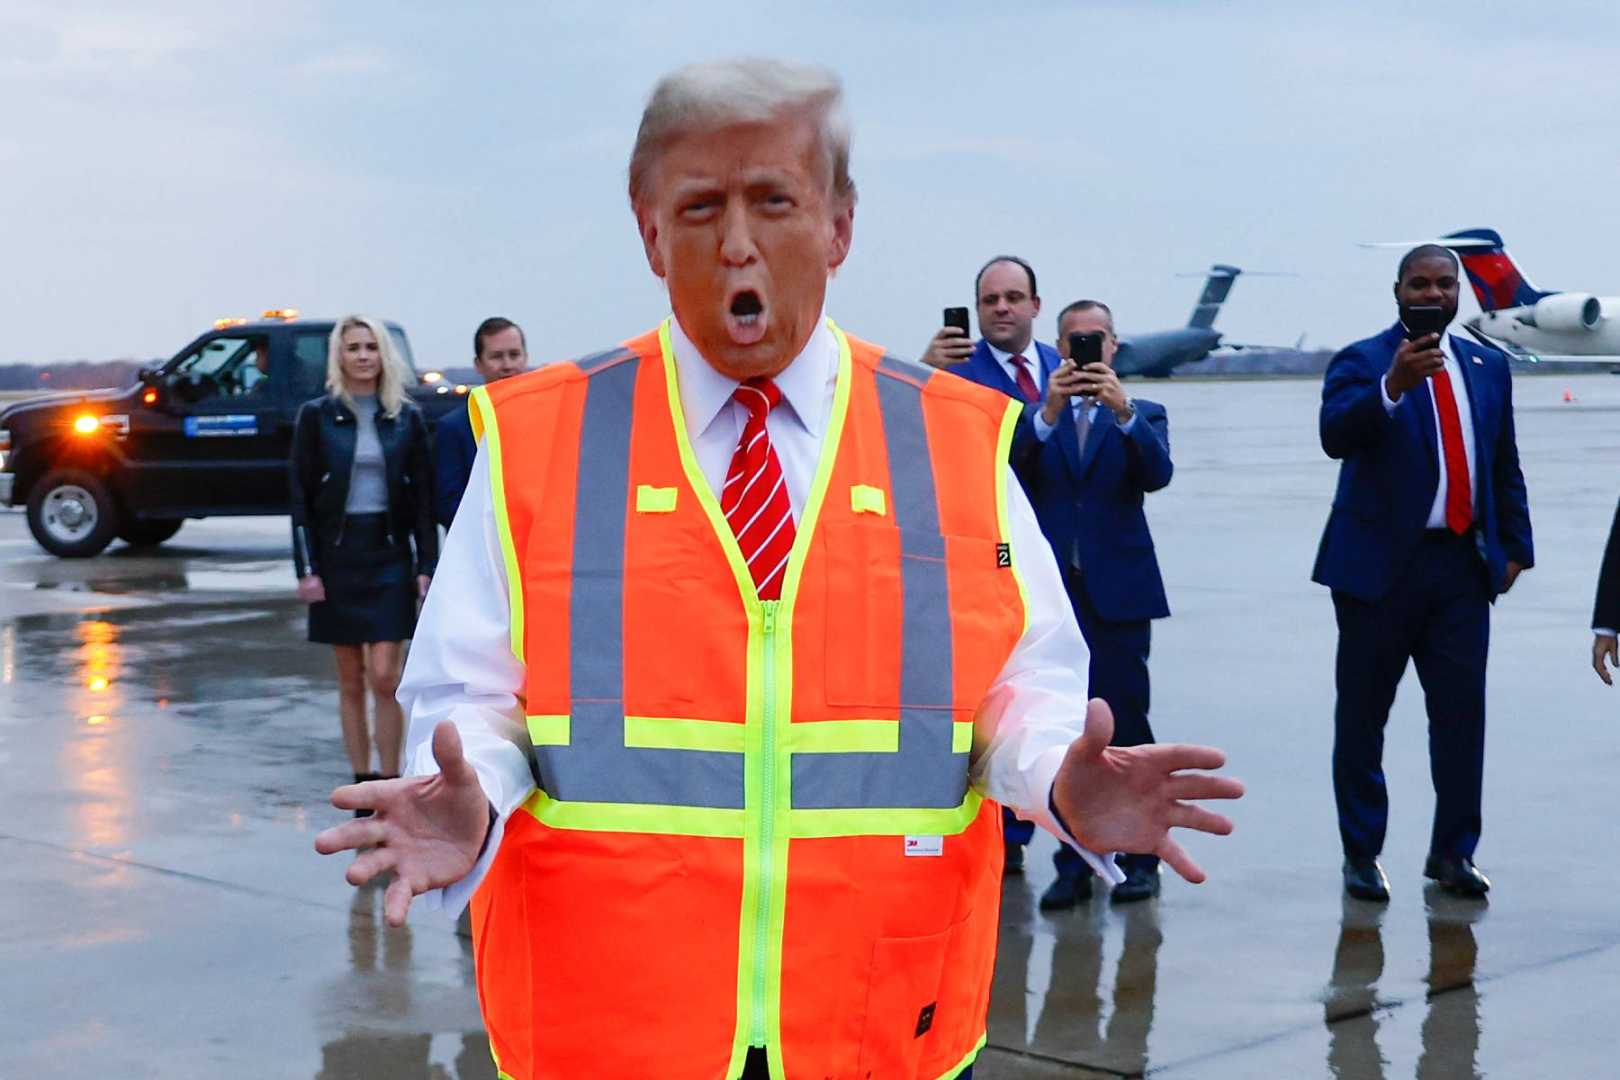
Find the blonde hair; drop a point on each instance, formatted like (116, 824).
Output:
(391, 373)
(710, 96)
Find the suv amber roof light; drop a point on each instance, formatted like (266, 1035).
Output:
(286, 314)
(228, 322)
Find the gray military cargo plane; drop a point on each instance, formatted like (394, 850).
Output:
(1156, 355)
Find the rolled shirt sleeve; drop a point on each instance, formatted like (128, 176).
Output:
(1036, 706)
(462, 669)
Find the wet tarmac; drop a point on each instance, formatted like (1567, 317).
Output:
(167, 741)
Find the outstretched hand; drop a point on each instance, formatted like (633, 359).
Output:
(1128, 798)
(428, 830)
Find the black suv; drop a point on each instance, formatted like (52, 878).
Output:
(207, 433)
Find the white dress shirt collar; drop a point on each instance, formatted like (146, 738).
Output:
(705, 392)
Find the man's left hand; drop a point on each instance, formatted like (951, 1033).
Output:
(1128, 798)
(1099, 381)
(1513, 572)
(422, 583)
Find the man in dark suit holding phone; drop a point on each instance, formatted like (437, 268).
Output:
(1086, 454)
(1430, 523)
(1087, 457)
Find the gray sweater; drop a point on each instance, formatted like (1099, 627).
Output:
(368, 482)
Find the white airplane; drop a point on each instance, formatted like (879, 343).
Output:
(1524, 321)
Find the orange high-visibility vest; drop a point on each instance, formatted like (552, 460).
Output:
(752, 824)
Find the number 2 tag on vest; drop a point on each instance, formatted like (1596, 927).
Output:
(925, 845)
(1003, 556)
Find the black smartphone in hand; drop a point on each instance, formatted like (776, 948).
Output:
(958, 317)
(1421, 320)
(1086, 348)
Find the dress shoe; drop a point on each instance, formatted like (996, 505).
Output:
(1457, 874)
(1067, 891)
(1364, 879)
(1141, 883)
(1012, 861)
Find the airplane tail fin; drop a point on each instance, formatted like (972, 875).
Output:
(1216, 286)
(1497, 280)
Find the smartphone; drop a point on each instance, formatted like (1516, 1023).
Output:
(1086, 348)
(958, 317)
(1424, 319)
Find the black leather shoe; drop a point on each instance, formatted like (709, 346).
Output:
(1457, 875)
(1364, 879)
(1140, 884)
(1066, 892)
(1012, 860)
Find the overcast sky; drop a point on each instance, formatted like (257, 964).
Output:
(438, 163)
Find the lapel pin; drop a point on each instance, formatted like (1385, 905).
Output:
(1478, 361)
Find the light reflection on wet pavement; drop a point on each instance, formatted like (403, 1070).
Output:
(168, 741)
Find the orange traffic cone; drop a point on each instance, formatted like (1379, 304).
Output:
(1569, 396)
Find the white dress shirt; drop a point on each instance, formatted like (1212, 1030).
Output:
(461, 667)
(1465, 418)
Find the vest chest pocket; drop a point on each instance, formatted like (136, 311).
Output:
(864, 615)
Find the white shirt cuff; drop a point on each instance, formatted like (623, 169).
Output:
(1603, 631)
(1128, 424)
(1043, 430)
(1383, 392)
(1042, 775)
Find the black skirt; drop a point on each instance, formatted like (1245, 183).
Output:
(370, 587)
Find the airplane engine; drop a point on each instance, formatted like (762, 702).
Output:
(1566, 311)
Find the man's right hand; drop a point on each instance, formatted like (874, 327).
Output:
(1065, 382)
(311, 590)
(1415, 360)
(949, 347)
(428, 830)
(1605, 655)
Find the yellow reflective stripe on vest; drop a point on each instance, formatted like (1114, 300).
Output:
(481, 414)
(676, 733)
(652, 818)
(548, 730)
(868, 736)
(887, 821)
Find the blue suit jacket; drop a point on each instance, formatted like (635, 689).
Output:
(1390, 469)
(1088, 499)
(453, 451)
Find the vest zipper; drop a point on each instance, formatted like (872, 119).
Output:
(767, 858)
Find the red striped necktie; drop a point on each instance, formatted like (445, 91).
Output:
(755, 496)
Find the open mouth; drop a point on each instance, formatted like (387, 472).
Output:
(745, 317)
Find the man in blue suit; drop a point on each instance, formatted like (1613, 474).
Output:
(1086, 454)
(499, 352)
(1429, 525)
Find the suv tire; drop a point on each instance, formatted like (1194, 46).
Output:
(149, 533)
(71, 513)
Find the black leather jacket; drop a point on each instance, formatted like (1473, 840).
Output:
(322, 460)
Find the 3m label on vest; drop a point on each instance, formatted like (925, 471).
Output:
(925, 845)
(1003, 556)
(925, 1019)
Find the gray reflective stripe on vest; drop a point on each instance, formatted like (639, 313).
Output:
(924, 772)
(596, 765)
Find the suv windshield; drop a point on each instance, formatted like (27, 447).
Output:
(230, 366)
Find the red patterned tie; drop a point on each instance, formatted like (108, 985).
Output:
(755, 498)
(1459, 492)
(1026, 384)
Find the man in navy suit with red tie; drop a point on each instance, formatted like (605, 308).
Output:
(1430, 523)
